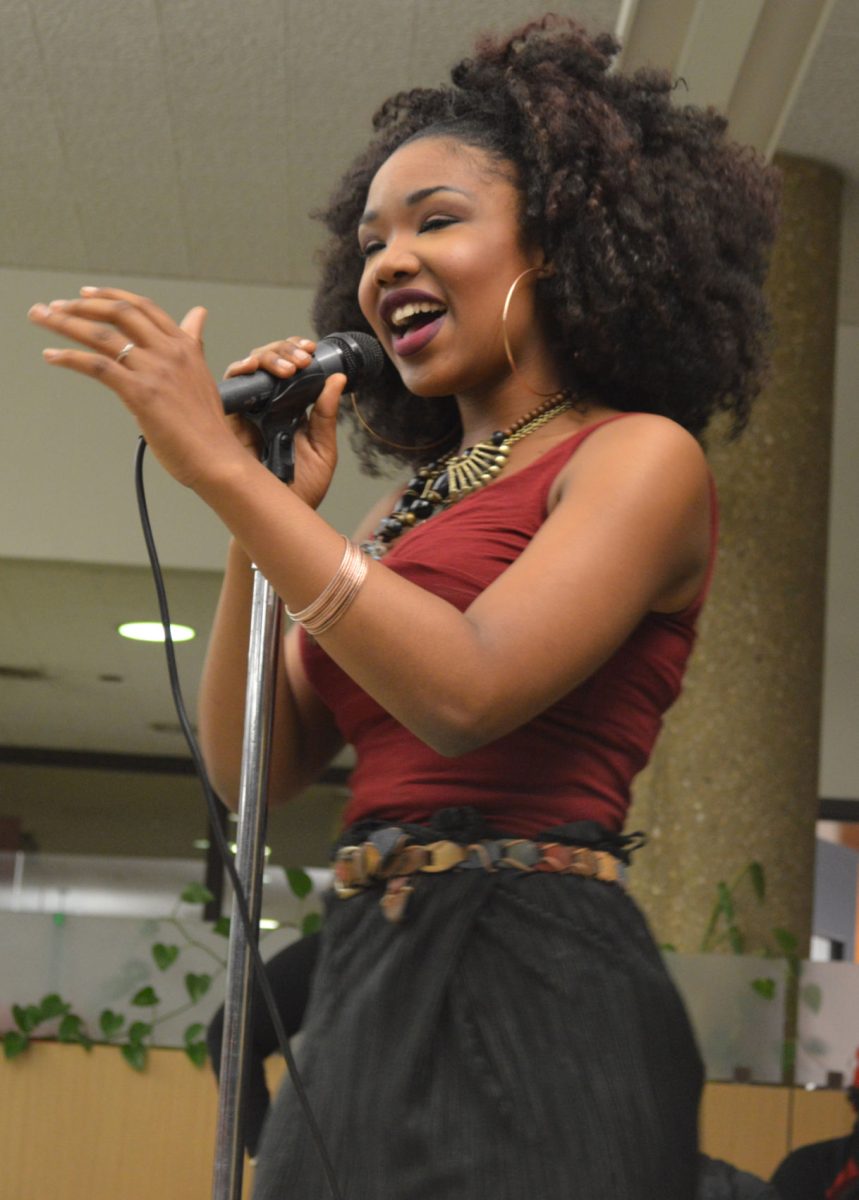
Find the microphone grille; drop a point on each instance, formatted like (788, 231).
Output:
(363, 357)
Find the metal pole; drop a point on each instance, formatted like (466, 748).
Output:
(250, 861)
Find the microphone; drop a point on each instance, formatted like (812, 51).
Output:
(358, 356)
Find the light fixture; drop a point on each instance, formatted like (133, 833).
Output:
(153, 631)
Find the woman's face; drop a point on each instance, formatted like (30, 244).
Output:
(442, 244)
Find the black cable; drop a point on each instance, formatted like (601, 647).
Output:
(212, 802)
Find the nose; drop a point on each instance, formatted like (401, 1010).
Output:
(396, 262)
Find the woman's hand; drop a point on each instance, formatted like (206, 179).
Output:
(316, 440)
(157, 369)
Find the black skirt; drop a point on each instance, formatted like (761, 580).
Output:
(517, 1037)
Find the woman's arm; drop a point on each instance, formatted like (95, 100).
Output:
(628, 533)
(304, 736)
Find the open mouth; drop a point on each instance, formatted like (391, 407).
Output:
(415, 324)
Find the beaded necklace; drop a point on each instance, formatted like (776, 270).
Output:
(456, 475)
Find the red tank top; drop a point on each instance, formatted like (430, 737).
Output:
(574, 761)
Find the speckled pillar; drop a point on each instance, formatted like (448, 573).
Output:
(734, 777)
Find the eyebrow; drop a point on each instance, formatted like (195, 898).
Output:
(416, 197)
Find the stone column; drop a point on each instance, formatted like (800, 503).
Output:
(734, 776)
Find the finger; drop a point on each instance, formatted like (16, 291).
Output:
(243, 366)
(107, 339)
(287, 356)
(143, 304)
(322, 422)
(94, 366)
(328, 402)
(194, 322)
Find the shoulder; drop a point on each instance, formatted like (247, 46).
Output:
(639, 489)
(633, 451)
(644, 436)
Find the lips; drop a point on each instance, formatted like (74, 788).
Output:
(410, 341)
(411, 338)
(401, 297)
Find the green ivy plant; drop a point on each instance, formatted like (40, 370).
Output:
(131, 1031)
(723, 928)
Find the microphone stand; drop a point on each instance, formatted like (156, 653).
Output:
(278, 456)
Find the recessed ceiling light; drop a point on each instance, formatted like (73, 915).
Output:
(153, 631)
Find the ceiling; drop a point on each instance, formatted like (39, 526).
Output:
(178, 145)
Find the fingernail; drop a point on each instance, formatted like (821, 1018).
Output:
(88, 290)
(38, 310)
(302, 356)
(49, 355)
(56, 304)
(305, 342)
(283, 363)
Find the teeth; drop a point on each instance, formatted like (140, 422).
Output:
(406, 311)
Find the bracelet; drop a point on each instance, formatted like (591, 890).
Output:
(330, 605)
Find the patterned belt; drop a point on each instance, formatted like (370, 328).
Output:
(389, 856)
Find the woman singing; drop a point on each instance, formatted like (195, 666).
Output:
(564, 271)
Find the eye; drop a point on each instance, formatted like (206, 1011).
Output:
(369, 249)
(437, 223)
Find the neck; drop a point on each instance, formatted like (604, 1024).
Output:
(481, 416)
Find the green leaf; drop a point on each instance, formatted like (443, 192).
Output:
(736, 939)
(26, 1017)
(147, 997)
(197, 985)
(668, 948)
(759, 883)
(110, 1022)
(299, 881)
(14, 1043)
(197, 893)
(726, 900)
(138, 1031)
(222, 926)
(764, 987)
(786, 942)
(71, 1029)
(197, 1053)
(193, 1033)
(164, 956)
(812, 996)
(135, 1055)
(53, 1006)
(312, 923)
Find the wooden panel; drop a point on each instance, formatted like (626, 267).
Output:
(819, 1116)
(86, 1127)
(746, 1125)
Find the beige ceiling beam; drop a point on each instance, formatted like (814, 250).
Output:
(747, 58)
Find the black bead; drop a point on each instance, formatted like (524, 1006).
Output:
(422, 509)
(498, 437)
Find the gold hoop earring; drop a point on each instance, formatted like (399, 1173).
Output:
(395, 445)
(508, 349)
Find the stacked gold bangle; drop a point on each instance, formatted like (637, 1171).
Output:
(330, 605)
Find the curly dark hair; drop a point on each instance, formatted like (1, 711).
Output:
(657, 227)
